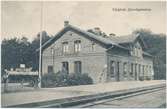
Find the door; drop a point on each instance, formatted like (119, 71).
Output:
(136, 76)
(77, 67)
(112, 70)
(65, 67)
(50, 69)
(118, 75)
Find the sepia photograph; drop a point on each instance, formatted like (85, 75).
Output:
(83, 54)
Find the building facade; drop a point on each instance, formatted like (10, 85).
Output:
(103, 58)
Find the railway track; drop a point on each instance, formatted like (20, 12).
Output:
(95, 103)
(90, 100)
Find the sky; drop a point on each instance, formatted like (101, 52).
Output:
(23, 18)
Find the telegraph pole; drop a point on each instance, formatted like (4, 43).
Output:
(40, 51)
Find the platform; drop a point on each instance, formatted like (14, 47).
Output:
(49, 94)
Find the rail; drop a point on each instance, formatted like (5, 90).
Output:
(81, 100)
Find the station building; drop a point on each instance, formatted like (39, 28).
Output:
(104, 58)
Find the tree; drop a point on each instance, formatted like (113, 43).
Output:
(17, 51)
(10, 53)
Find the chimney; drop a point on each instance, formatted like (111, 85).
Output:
(112, 34)
(66, 23)
(97, 31)
(97, 28)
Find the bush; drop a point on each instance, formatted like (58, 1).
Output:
(54, 79)
(79, 79)
(148, 78)
(63, 79)
(141, 78)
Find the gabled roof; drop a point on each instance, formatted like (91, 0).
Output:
(124, 39)
(100, 39)
(128, 39)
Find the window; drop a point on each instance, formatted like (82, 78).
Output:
(125, 69)
(151, 71)
(93, 46)
(65, 67)
(118, 66)
(52, 51)
(134, 51)
(77, 67)
(147, 70)
(118, 75)
(50, 69)
(135, 68)
(131, 72)
(65, 47)
(140, 52)
(136, 65)
(143, 69)
(131, 52)
(112, 69)
(137, 52)
(77, 46)
(139, 69)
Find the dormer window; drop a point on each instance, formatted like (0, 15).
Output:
(65, 47)
(77, 46)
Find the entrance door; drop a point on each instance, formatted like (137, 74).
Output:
(50, 69)
(136, 72)
(77, 67)
(112, 70)
(117, 77)
(65, 67)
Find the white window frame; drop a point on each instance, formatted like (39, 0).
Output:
(77, 46)
(93, 46)
(125, 69)
(65, 47)
(112, 65)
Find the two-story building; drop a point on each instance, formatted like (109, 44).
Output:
(104, 58)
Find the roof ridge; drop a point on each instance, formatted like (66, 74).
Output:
(96, 37)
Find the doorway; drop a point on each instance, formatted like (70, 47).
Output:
(118, 72)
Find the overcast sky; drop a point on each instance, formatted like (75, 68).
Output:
(23, 18)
